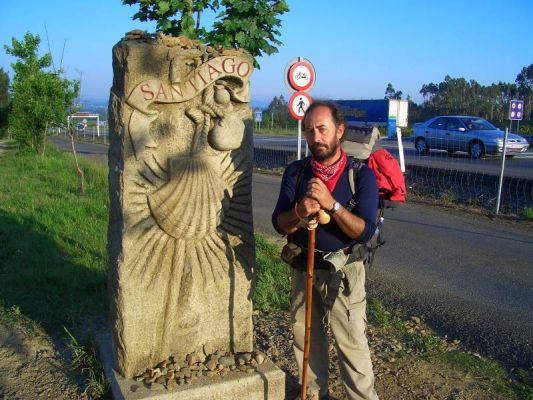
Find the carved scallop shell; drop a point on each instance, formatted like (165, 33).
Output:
(190, 204)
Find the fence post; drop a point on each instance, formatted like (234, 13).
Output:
(500, 183)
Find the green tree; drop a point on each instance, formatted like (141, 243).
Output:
(242, 24)
(524, 80)
(277, 113)
(390, 93)
(4, 101)
(40, 98)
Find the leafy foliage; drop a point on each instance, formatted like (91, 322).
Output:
(391, 93)
(4, 101)
(241, 24)
(277, 113)
(524, 80)
(41, 98)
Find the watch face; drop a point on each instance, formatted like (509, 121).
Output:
(336, 206)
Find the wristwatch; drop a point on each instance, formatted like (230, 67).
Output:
(335, 208)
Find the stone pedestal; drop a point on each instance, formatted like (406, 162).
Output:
(180, 238)
(266, 382)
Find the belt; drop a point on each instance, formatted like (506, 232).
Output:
(319, 254)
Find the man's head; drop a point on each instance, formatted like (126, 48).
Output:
(324, 130)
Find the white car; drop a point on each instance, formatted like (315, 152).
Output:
(474, 135)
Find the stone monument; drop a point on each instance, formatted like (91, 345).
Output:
(180, 239)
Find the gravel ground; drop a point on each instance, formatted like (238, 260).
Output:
(406, 376)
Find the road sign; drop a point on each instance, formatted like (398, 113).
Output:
(298, 103)
(300, 75)
(516, 110)
(258, 116)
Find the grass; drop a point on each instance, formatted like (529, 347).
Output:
(273, 285)
(528, 213)
(85, 359)
(52, 241)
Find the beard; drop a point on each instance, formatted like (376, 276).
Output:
(322, 152)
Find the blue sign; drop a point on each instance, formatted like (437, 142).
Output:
(391, 128)
(363, 112)
(516, 110)
(258, 116)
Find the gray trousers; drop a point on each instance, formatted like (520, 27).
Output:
(347, 320)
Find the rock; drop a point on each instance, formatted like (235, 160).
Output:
(247, 356)
(191, 359)
(250, 370)
(161, 380)
(135, 32)
(241, 360)
(200, 356)
(210, 374)
(208, 349)
(416, 320)
(227, 360)
(157, 386)
(259, 358)
(186, 372)
(211, 365)
(274, 351)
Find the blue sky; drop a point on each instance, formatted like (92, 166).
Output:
(356, 47)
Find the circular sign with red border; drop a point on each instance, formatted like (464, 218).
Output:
(298, 103)
(301, 75)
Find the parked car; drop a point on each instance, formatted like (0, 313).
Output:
(474, 135)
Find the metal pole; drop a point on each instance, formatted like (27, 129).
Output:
(400, 148)
(299, 151)
(500, 183)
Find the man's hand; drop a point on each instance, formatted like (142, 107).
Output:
(317, 191)
(307, 207)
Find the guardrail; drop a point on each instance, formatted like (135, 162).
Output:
(446, 184)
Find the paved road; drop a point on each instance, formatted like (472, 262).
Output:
(468, 275)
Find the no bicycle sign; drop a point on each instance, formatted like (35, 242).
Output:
(300, 74)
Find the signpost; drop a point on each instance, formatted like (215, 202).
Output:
(516, 113)
(258, 117)
(299, 77)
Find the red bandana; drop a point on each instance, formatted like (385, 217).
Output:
(330, 174)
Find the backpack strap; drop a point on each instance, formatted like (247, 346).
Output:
(353, 173)
(300, 172)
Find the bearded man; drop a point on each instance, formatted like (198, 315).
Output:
(339, 297)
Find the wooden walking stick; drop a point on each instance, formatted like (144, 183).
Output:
(308, 305)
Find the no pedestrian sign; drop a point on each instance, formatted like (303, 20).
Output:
(298, 103)
(516, 110)
(301, 75)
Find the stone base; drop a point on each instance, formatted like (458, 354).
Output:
(267, 382)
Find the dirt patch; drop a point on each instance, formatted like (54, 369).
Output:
(31, 368)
